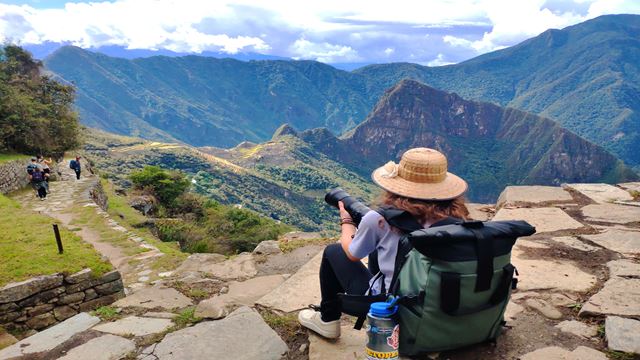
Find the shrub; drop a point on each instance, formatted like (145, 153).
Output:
(165, 185)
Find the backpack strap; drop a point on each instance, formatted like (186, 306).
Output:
(450, 292)
(484, 249)
(404, 221)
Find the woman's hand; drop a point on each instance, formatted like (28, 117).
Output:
(344, 214)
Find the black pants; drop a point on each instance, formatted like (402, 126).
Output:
(338, 274)
(77, 173)
(42, 191)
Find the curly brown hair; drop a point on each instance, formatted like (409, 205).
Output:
(425, 210)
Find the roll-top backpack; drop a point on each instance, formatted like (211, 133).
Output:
(452, 281)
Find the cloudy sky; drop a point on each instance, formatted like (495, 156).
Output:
(429, 32)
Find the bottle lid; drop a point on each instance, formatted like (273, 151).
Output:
(382, 309)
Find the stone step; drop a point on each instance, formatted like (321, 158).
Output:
(50, 338)
(134, 325)
(155, 297)
(241, 335)
(601, 193)
(532, 195)
(106, 347)
(299, 291)
(544, 219)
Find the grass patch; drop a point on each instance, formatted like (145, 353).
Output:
(198, 294)
(601, 331)
(286, 324)
(107, 313)
(575, 307)
(635, 194)
(619, 355)
(186, 317)
(11, 157)
(28, 246)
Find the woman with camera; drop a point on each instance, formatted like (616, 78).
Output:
(419, 185)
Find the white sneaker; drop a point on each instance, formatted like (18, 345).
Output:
(312, 320)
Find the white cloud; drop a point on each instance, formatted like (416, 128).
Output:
(334, 30)
(515, 21)
(324, 52)
(439, 61)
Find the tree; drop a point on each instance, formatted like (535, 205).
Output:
(36, 111)
(165, 185)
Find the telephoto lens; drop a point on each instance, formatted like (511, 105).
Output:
(354, 207)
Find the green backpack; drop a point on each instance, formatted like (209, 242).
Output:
(452, 282)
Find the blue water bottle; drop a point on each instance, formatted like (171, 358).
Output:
(383, 331)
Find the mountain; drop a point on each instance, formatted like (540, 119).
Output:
(490, 146)
(41, 51)
(586, 77)
(208, 101)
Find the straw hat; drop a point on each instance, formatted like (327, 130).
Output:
(422, 174)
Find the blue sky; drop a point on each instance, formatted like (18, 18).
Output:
(428, 32)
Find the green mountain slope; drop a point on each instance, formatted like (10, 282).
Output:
(284, 179)
(585, 77)
(488, 145)
(208, 101)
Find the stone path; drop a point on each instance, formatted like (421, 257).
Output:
(69, 193)
(580, 274)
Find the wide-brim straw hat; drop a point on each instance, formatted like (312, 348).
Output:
(421, 174)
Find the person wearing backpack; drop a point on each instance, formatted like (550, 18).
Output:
(419, 193)
(31, 167)
(39, 182)
(75, 165)
(420, 185)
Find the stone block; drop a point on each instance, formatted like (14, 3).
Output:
(110, 287)
(258, 340)
(41, 321)
(150, 298)
(544, 219)
(63, 312)
(619, 296)
(48, 339)
(21, 290)
(42, 297)
(622, 241)
(72, 298)
(9, 307)
(578, 328)
(267, 247)
(90, 294)
(611, 213)
(110, 276)
(11, 316)
(101, 301)
(601, 193)
(300, 290)
(40, 309)
(624, 268)
(106, 347)
(136, 326)
(349, 343)
(80, 276)
(532, 195)
(623, 334)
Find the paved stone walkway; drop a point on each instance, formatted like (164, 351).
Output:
(578, 276)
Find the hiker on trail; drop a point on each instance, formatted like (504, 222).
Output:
(420, 185)
(45, 165)
(32, 166)
(38, 180)
(75, 165)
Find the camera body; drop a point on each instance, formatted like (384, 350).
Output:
(355, 208)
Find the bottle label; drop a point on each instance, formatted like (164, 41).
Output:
(374, 355)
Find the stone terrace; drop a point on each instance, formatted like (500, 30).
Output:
(578, 295)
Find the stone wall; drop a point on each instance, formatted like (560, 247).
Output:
(13, 175)
(45, 300)
(98, 195)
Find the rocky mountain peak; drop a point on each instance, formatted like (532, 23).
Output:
(284, 129)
